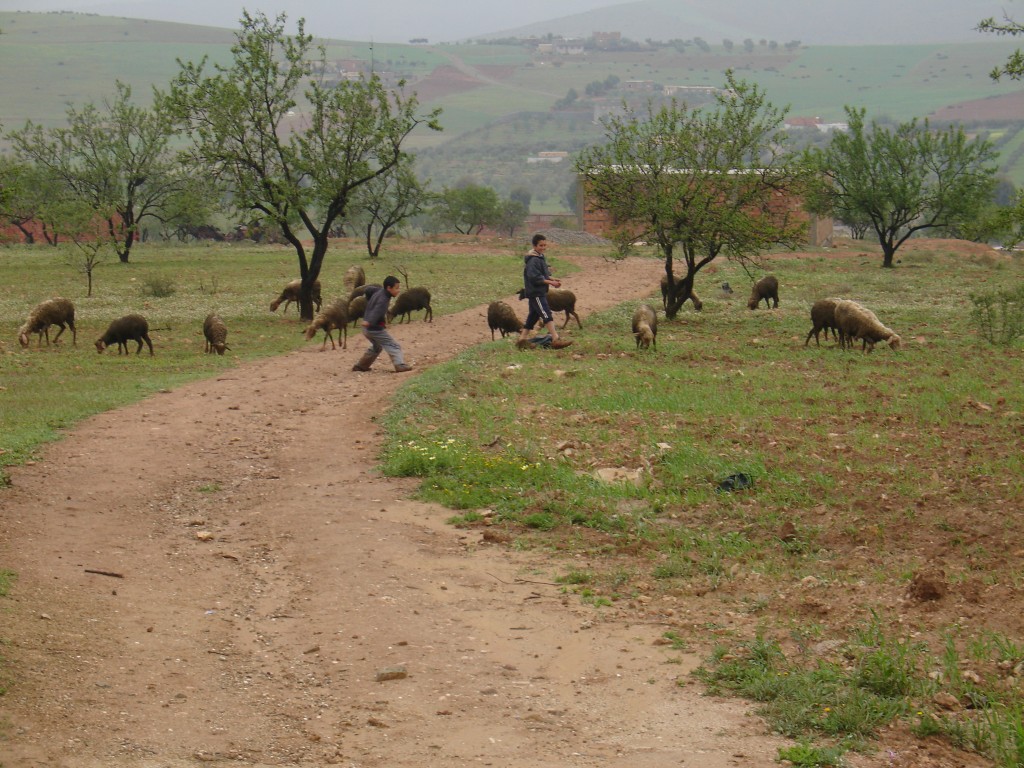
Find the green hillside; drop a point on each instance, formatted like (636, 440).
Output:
(493, 95)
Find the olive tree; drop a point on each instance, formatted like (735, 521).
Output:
(385, 203)
(296, 166)
(114, 158)
(697, 183)
(903, 179)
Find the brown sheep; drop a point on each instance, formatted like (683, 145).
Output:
(698, 305)
(561, 300)
(409, 301)
(333, 316)
(823, 317)
(354, 277)
(291, 293)
(501, 317)
(56, 311)
(125, 329)
(215, 333)
(766, 288)
(645, 327)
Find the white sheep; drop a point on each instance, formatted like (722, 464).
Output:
(56, 311)
(645, 327)
(858, 322)
(332, 317)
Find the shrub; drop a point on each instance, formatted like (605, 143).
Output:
(999, 315)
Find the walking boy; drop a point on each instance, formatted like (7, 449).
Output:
(537, 280)
(375, 327)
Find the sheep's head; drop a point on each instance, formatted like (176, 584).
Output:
(644, 337)
(309, 333)
(274, 305)
(23, 337)
(895, 342)
(100, 346)
(753, 301)
(220, 347)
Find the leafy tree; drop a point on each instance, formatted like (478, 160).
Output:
(302, 177)
(467, 208)
(1013, 67)
(510, 216)
(115, 159)
(386, 202)
(697, 183)
(903, 180)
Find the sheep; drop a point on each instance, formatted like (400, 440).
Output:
(356, 307)
(766, 288)
(858, 322)
(333, 316)
(698, 305)
(561, 300)
(56, 311)
(132, 327)
(360, 290)
(354, 277)
(290, 293)
(645, 327)
(823, 316)
(409, 301)
(501, 317)
(215, 333)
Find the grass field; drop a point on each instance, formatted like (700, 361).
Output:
(870, 473)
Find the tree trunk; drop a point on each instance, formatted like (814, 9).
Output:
(677, 296)
(887, 256)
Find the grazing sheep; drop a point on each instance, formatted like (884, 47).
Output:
(290, 293)
(332, 317)
(354, 278)
(645, 327)
(561, 300)
(501, 317)
(698, 305)
(823, 317)
(129, 327)
(409, 301)
(857, 322)
(766, 288)
(215, 333)
(56, 311)
(356, 307)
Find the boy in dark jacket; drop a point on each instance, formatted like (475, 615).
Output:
(375, 327)
(537, 280)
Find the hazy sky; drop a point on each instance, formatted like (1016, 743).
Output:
(379, 20)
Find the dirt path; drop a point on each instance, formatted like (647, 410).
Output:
(262, 645)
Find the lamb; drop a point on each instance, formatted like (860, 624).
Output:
(823, 316)
(645, 327)
(55, 311)
(698, 305)
(409, 301)
(501, 317)
(133, 327)
(354, 277)
(561, 300)
(290, 293)
(215, 333)
(857, 322)
(766, 288)
(333, 317)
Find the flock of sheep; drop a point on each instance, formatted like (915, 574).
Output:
(848, 320)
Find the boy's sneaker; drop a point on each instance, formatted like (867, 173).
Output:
(402, 368)
(560, 343)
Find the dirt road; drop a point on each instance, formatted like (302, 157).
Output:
(218, 575)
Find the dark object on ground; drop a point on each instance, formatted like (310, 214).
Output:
(736, 482)
(544, 341)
